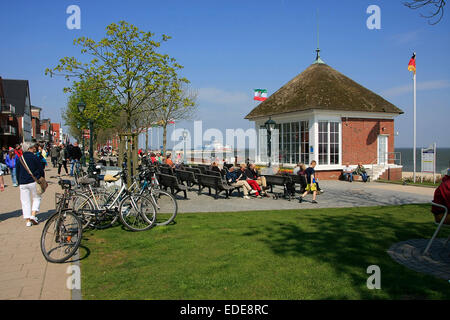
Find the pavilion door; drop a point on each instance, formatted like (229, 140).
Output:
(382, 149)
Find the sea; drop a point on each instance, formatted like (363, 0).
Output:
(442, 159)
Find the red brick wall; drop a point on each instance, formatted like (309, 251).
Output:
(328, 174)
(359, 139)
(392, 174)
(55, 129)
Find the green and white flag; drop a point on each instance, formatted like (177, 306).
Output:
(260, 94)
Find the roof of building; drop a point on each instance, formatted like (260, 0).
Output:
(321, 87)
(16, 93)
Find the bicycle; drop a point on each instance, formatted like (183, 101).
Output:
(62, 229)
(165, 203)
(101, 210)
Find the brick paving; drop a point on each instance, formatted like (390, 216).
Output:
(436, 262)
(24, 273)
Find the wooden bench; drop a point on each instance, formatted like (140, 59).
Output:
(214, 182)
(300, 180)
(279, 180)
(166, 170)
(187, 176)
(224, 181)
(168, 181)
(201, 168)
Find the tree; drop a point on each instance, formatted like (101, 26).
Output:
(173, 103)
(127, 65)
(436, 14)
(87, 92)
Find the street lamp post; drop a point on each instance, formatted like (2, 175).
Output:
(270, 126)
(81, 106)
(185, 133)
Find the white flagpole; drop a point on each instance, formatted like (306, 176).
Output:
(414, 150)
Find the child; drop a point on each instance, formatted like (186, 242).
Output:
(311, 182)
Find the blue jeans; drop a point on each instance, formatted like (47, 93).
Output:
(350, 175)
(364, 176)
(14, 176)
(73, 162)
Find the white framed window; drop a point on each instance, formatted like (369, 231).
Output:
(329, 145)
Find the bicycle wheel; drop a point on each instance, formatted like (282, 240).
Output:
(84, 208)
(61, 236)
(166, 206)
(107, 218)
(137, 212)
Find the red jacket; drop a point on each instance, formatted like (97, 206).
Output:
(442, 195)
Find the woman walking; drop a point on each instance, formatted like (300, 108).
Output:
(11, 161)
(29, 197)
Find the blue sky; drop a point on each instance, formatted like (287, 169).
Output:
(230, 47)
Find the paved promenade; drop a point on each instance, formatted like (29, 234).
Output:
(24, 273)
(338, 194)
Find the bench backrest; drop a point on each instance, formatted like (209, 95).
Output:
(277, 180)
(202, 169)
(213, 173)
(209, 181)
(166, 170)
(167, 180)
(185, 175)
(196, 171)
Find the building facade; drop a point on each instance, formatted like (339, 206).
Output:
(36, 123)
(325, 116)
(15, 116)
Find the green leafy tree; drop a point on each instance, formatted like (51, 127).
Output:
(93, 95)
(126, 64)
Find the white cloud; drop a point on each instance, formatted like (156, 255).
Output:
(421, 86)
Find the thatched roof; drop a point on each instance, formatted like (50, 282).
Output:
(323, 88)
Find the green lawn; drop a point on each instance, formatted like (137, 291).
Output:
(291, 254)
(410, 183)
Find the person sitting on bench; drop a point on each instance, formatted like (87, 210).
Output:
(360, 170)
(252, 174)
(214, 167)
(242, 175)
(232, 179)
(347, 172)
(169, 161)
(300, 167)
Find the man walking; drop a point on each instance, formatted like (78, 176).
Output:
(54, 152)
(75, 156)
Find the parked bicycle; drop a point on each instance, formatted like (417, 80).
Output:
(62, 232)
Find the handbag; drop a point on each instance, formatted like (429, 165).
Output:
(41, 184)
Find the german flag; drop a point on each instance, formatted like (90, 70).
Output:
(412, 63)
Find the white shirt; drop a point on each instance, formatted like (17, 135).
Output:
(347, 169)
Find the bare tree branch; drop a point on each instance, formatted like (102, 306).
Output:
(436, 14)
